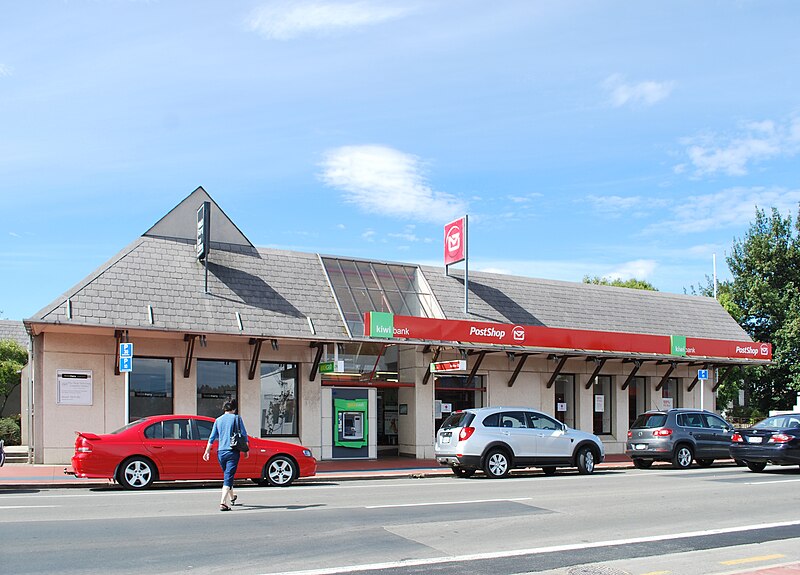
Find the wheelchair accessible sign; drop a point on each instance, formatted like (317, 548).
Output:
(125, 357)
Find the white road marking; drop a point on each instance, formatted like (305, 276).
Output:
(772, 482)
(531, 551)
(27, 506)
(446, 503)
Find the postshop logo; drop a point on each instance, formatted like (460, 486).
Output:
(518, 333)
(454, 241)
(764, 349)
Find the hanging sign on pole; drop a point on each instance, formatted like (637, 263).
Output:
(455, 250)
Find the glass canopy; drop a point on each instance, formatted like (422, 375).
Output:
(362, 286)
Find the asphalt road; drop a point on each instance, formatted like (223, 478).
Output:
(700, 521)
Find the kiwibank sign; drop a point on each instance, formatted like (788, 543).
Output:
(388, 326)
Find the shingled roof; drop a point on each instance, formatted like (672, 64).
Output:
(277, 292)
(539, 302)
(15, 331)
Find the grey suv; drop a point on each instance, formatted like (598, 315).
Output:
(497, 439)
(679, 436)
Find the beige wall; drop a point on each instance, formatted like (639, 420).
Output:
(52, 429)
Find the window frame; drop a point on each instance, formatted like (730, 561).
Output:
(296, 397)
(170, 393)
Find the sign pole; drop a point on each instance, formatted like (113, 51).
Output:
(466, 263)
(127, 397)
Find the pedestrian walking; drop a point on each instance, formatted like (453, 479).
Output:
(224, 427)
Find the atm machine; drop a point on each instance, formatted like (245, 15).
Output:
(350, 422)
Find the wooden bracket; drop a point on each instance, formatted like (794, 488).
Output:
(189, 338)
(517, 369)
(637, 363)
(427, 376)
(559, 367)
(600, 363)
(475, 367)
(672, 366)
(315, 366)
(256, 343)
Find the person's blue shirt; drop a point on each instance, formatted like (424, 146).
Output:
(222, 429)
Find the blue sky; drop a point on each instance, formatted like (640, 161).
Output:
(618, 139)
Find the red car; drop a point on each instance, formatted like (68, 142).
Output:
(170, 447)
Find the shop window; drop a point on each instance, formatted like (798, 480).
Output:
(216, 384)
(151, 387)
(279, 393)
(670, 394)
(565, 399)
(637, 399)
(603, 405)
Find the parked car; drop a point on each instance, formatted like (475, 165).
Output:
(497, 439)
(170, 447)
(679, 436)
(773, 440)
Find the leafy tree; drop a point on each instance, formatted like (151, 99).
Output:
(765, 294)
(632, 283)
(13, 358)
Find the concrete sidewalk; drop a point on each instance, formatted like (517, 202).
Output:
(26, 475)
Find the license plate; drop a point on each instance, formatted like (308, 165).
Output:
(445, 439)
(640, 446)
(755, 439)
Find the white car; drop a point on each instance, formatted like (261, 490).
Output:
(498, 439)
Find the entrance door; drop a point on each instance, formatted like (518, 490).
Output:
(565, 399)
(454, 395)
(387, 422)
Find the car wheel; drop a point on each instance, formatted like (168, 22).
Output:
(682, 458)
(585, 461)
(497, 464)
(756, 466)
(549, 470)
(136, 473)
(639, 463)
(705, 462)
(462, 471)
(281, 471)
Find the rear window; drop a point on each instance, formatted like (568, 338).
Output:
(649, 421)
(779, 422)
(458, 419)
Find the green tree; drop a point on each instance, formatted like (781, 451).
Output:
(632, 283)
(765, 293)
(13, 358)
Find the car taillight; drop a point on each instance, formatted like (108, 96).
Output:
(737, 438)
(780, 438)
(83, 446)
(630, 434)
(663, 432)
(465, 433)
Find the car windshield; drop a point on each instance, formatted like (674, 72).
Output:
(650, 420)
(457, 419)
(131, 424)
(779, 422)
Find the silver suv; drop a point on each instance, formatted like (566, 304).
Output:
(497, 439)
(679, 436)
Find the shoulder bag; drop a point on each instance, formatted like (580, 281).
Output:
(238, 441)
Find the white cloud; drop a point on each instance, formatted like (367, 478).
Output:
(639, 269)
(385, 181)
(732, 155)
(619, 206)
(5, 71)
(732, 207)
(645, 93)
(369, 235)
(284, 20)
